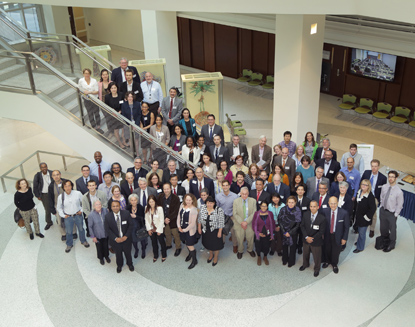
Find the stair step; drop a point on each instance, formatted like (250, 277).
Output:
(65, 97)
(12, 73)
(7, 62)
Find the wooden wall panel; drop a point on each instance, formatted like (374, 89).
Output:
(226, 50)
(362, 87)
(407, 97)
(245, 49)
(209, 46)
(392, 94)
(260, 52)
(184, 41)
(197, 44)
(271, 54)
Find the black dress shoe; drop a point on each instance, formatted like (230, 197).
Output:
(75, 236)
(239, 255)
(284, 263)
(325, 265)
(316, 273)
(209, 260)
(131, 268)
(355, 243)
(40, 235)
(290, 265)
(214, 263)
(102, 262)
(119, 269)
(336, 269)
(136, 254)
(388, 249)
(252, 254)
(168, 247)
(357, 251)
(31, 236)
(143, 253)
(371, 233)
(108, 259)
(188, 258)
(177, 252)
(271, 253)
(302, 268)
(280, 254)
(48, 226)
(300, 251)
(87, 234)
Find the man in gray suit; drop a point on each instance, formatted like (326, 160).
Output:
(210, 130)
(171, 109)
(314, 182)
(261, 154)
(286, 162)
(237, 149)
(144, 192)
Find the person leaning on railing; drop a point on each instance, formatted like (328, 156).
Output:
(115, 100)
(89, 86)
(162, 134)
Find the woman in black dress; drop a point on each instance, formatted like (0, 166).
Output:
(297, 181)
(211, 222)
(136, 211)
(147, 120)
(263, 225)
(114, 100)
(187, 225)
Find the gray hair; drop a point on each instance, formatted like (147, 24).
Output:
(204, 190)
(345, 184)
(132, 195)
(326, 139)
(138, 158)
(244, 189)
(262, 137)
(123, 58)
(324, 183)
(142, 179)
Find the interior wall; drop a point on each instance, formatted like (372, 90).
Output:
(57, 19)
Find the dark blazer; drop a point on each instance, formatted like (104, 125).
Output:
(316, 230)
(223, 155)
(81, 186)
(348, 203)
(194, 188)
(325, 204)
(236, 189)
(136, 90)
(142, 173)
(116, 75)
(166, 176)
(51, 195)
(312, 186)
(342, 225)
(150, 191)
(289, 166)
(181, 192)
(125, 189)
(265, 196)
(335, 191)
(38, 183)
(173, 140)
(242, 150)
(139, 214)
(320, 149)
(111, 226)
(364, 209)
(284, 191)
(182, 123)
(305, 204)
(378, 187)
(266, 156)
(173, 209)
(176, 111)
(126, 112)
(333, 169)
(217, 130)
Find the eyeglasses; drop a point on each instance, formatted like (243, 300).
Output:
(365, 185)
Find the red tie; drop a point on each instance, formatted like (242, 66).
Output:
(319, 202)
(99, 174)
(332, 223)
(171, 107)
(131, 189)
(200, 187)
(257, 195)
(174, 191)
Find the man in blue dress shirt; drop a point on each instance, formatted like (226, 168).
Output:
(99, 167)
(352, 176)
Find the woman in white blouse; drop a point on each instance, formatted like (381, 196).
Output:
(209, 168)
(189, 175)
(190, 152)
(89, 86)
(154, 218)
(161, 133)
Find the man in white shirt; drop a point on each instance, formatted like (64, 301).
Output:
(106, 187)
(236, 148)
(153, 94)
(69, 206)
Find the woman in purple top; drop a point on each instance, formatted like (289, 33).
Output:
(263, 225)
(178, 139)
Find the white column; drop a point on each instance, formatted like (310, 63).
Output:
(160, 41)
(298, 57)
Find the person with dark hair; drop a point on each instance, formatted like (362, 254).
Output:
(176, 189)
(358, 162)
(334, 187)
(82, 182)
(106, 187)
(297, 181)
(23, 199)
(155, 169)
(189, 174)
(131, 110)
(322, 196)
(287, 143)
(259, 194)
(279, 170)
(103, 84)
(162, 134)
(153, 94)
(252, 175)
(41, 182)
(98, 167)
(263, 225)
(210, 224)
(115, 100)
(238, 166)
(188, 124)
(218, 151)
(190, 152)
(118, 74)
(310, 146)
(286, 162)
(177, 140)
(304, 204)
(227, 173)
(89, 87)
(171, 109)
(117, 175)
(352, 176)
(210, 130)
(131, 86)
(202, 147)
(209, 168)
(154, 218)
(154, 181)
(305, 168)
(275, 207)
(117, 196)
(331, 166)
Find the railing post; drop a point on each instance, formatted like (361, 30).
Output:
(132, 144)
(22, 171)
(81, 109)
(30, 73)
(64, 163)
(69, 54)
(3, 184)
(38, 158)
(29, 40)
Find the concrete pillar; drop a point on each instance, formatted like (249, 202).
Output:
(161, 41)
(298, 57)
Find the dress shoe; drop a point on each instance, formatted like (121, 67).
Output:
(355, 243)
(87, 234)
(235, 249)
(284, 263)
(371, 233)
(75, 236)
(316, 273)
(357, 251)
(111, 250)
(143, 253)
(290, 265)
(302, 268)
(259, 261)
(135, 254)
(336, 270)
(271, 252)
(280, 254)
(188, 257)
(252, 254)
(355, 231)
(63, 238)
(102, 262)
(388, 249)
(119, 269)
(40, 235)
(177, 252)
(48, 226)
(266, 261)
(86, 244)
(31, 236)
(108, 259)
(209, 260)
(68, 249)
(214, 264)
(239, 255)
(325, 265)
(168, 247)
(300, 251)
(131, 268)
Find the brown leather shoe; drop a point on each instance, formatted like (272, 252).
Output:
(258, 261)
(266, 261)
(371, 233)
(252, 254)
(235, 249)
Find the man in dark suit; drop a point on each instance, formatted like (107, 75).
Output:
(313, 182)
(177, 189)
(277, 187)
(171, 170)
(131, 86)
(313, 226)
(138, 170)
(237, 149)
(210, 130)
(304, 204)
(331, 166)
(322, 196)
(129, 186)
(82, 182)
(219, 152)
(118, 74)
(286, 162)
(119, 227)
(320, 152)
(260, 195)
(261, 154)
(377, 179)
(171, 110)
(336, 234)
(144, 192)
(199, 183)
(41, 182)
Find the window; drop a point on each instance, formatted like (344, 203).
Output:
(29, 15)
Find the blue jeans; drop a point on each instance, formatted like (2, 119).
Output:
(362, 238)
(78, 220)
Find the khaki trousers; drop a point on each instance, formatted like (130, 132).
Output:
(241, 234)
(316, 251)
(169, 232)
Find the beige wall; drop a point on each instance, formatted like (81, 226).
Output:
(57, 19)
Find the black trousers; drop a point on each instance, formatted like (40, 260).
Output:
(263, 245)
(102, 248)
(276, 243)
(300, 239)
(289, 252)
(93, 113)
(160, 238)
(154, 108)
(119, 249)
(45, 202)
(331, 251)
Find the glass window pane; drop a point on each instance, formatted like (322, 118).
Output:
(17, 15)
(32, 19)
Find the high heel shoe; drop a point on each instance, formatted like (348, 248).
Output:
(214, 263)
(209, 260)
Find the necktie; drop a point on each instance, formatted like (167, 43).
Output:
(386, 198)
(217, 153)
(171, 107)
(99, 174)
(283, 162)
(86, 181)
(200, 187)
(258, 195)
(244, 209)
(332, 223)
(211, 133)
(312, 220)
(300, 201)
(319, 202)
(119, 225)
(322, 153)
(144, 199)
(174, 191)
(371, 183)
(318, 183)
(131, 189)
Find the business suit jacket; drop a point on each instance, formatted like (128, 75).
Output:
(126, 112)
(217, 130)
(265, 196)
(364, 209)
(319, 151)
(242, 151)
(138, 92)
(289, 166)
(112, 230)
(380, 181)
(87, 206)
(51, 195)
(173, 139)
(80, 183)
(181, 192)
(342, 225)
(348, 204)
(166, 176)
(324, 204)
(125, 189)
(38, 183)
(266, 156)
(312, 186)
(186, 153)
(223, 155)
(305, 204)
(116, 75)
(142, 173)
(176, 110)
(334, 168)
(194, 187)
(182, 123)
(284, 191)
(315, 230)
(173, 208)
(165, 138)
(238, 212)
(150, 191)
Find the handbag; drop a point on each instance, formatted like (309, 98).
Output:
(141, 234)
(228, 225)
(18, 219)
